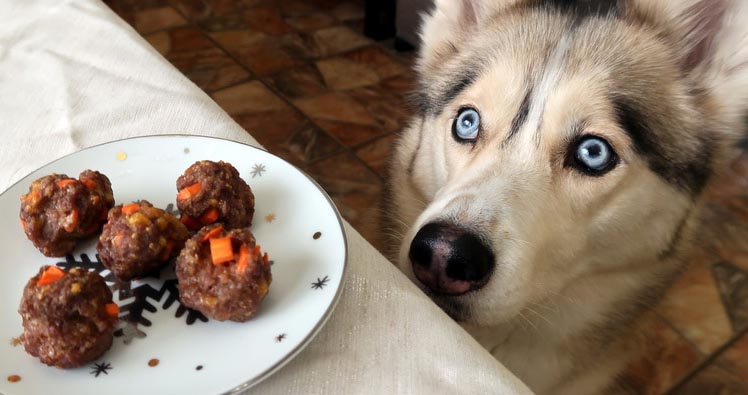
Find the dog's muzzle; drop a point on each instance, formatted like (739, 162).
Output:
(450, 260)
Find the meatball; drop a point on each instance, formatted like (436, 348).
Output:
(58, 211)
(138, 239)
(211, 192)
(68, 317)
(223, 274)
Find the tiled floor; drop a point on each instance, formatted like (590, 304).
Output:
(301, 77)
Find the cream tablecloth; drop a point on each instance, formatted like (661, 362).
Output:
(72, 74)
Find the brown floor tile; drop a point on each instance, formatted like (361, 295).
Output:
(350, 134)
(338, 107)
(296, 7)
(338, 39)
(713, 381)
(155, 19)
(666, 360)
(384, 64)
(301, 82)
(267, 20)
(309, 22)
(356, 25)
(693, 305)
(377, 153)
(250, 97)
(735, 358)
(343, 74)
(726, 215)
(264, 55)
(201, 10)
(355, 190)
(221, 23)
(348, 11)
(725, 234)
(197, 57)
(733, 285)
(734, 182)
(359, 68)
(388, 109)
(235, 40)
(288, 134)
(403, 84)
(126, 9)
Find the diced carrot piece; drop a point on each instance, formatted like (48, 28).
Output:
(111, 309)
(130, 208)
(221, 250)
(52, 274)
(167, 251)
(243, 261)
(23, 224)
(212, 233)
(74, 218)
(265, 259)
(189, 191)
(189, 222)
(209, 216)
(257, 250)
(33, 195)
(89, 183)
(65, 182)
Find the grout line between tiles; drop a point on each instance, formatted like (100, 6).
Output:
(711, 358)
(262, 80)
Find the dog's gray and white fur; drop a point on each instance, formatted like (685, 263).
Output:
(578, 256)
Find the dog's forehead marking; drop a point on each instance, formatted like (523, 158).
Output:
(530, 114)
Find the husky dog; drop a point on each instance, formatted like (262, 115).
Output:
(549, 187)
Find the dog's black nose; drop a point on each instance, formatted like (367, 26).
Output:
(450, 260)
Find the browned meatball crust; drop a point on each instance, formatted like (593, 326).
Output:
(213, 192)
(138, 239)
(67, 323)
(58, 211)
(227, 291)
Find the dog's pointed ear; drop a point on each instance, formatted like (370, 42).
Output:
(692, 25)
(711, 40)
(449, 24)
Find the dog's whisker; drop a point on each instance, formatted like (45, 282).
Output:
(531, 310)
(529, 322)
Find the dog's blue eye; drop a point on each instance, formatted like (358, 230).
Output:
(594, 155)
(466, 125)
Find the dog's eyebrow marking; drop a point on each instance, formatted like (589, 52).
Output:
(551, 76)
(463, 81)
(688, 170)
(433, 104)
(521, 116)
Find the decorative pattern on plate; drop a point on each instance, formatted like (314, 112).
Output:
(280, 337)
(257, 170)
(320, 283)
(99, 368)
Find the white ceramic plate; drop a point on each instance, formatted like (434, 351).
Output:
(295, 222)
